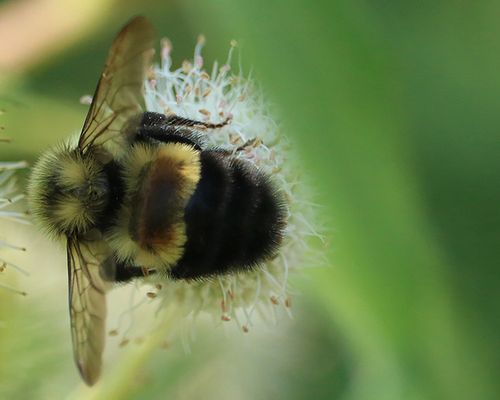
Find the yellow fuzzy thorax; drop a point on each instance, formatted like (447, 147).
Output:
(185, 163)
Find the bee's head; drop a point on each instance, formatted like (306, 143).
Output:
(68, 191)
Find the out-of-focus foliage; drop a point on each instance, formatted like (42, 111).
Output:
(394, 109)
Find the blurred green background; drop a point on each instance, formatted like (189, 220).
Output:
(395, 109)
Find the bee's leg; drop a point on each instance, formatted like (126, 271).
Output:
(125, 273)
(157, 127)
(152, 119)
(175, 120)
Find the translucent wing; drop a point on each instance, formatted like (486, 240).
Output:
(87, 306)
(118, 96)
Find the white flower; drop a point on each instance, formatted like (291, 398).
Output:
(9, 196)
(216, 95)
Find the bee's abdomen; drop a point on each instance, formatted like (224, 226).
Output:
(234, 220)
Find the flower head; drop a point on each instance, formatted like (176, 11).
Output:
(215, 96)
(9, 197)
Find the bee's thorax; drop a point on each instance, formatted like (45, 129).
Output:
(159, 180)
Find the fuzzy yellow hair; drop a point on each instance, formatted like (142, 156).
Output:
(180, 161)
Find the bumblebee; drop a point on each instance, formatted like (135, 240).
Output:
(142, 193)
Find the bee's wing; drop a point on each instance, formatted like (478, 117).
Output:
(87, 307)
(118, 96)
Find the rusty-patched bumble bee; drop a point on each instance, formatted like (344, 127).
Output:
(142, 193)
